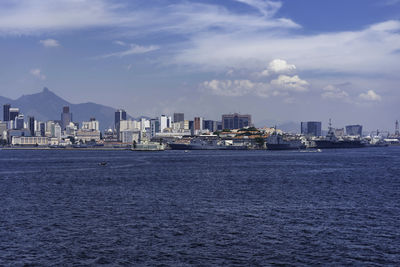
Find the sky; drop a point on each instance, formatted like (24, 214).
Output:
(280, 61)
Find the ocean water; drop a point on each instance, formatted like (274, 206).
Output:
(202, 208)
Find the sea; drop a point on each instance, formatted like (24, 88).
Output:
(200, 208)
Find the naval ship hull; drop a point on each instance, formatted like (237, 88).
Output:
(326, 144)
(204, 147)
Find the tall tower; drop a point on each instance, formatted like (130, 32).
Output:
(397, 132)
(6, 112)
(120, 115)
(14, 112)
(32, 125)
(66, 117)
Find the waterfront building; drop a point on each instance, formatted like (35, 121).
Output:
(354, 130)
(6, 112)
(66, 117)
(311, 128)
(16, 133)
(236, 121)
(30, 141)
(178, 117)
(84, 135)
(128, 136)
(93, 124)
(3, 130)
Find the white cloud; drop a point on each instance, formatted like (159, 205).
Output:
(289, 83)
(266, 7)
(38, 74)
(281, 86)
(38, 16)
(49, 43)
(370, 96)
(121, 43)
(368, 51)
(133, 50)
(278, 66)
(233, 88)
(333, 92)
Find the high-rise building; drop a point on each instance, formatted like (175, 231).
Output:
(154, 127)
(66, 117)
(311, 128)
(14, 112)
(6, 112)
(42, 129)
(165, 122)
(19, 122)
(236, 121)
(354, 130)
(198, 124)
(32, 125)
(120, 115)
(178, 117)
(209, 125)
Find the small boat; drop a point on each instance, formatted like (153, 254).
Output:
(103, 163)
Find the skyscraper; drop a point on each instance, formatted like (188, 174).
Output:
(236, 121)
(209, 125)
(19, 122)
(14, 112)
(6, 112)
(66, 117)
(198, 123)
(178, 117)
(32, 125)
(154, 127)
(165, 122)
(120, 115)
(312, 128)
(42, 126)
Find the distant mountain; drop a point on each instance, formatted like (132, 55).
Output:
(46, 105)
(4, 100)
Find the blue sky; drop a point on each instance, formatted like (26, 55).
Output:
(287, 60)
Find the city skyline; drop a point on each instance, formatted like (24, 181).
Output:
(277, 60)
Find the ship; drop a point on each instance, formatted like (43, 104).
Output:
(276, 142)
(205, 144)
(148, 146)
(331, 141)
